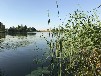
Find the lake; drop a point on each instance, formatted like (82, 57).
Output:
(21, 54)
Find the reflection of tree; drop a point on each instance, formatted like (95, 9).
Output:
(13, 42)
(17, 34)
(31, 33)
(2, 35)
(22, 34)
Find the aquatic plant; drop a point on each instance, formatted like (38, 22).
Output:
(82, 38)
(39, 72)
(78, 50)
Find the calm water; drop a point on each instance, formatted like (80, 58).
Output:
(19, 52)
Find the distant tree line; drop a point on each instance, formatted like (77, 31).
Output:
(2, 27)
(21, 29)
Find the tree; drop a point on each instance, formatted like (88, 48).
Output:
(21, 29)
(2, 27)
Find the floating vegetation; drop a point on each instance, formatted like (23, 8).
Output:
(13, 42)
(40, 72)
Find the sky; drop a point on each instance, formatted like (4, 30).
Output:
(33, 13)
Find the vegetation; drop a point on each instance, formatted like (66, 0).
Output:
(75, 52)
(57, 29)
(2, 35)
(78, 49)
(39, 72)
(21, 29)
(2, 27)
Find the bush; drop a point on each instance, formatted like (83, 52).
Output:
(79, 50)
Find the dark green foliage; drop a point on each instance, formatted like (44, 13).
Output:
(80, 44)
(2, 27)
(78, 49)
(21, 29)
(2, 35)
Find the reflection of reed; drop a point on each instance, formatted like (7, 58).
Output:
(2, 35)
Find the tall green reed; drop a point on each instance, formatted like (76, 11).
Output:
(74, 50)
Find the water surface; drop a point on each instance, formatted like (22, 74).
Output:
(19, 52)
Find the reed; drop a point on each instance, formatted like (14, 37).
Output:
(77, 51)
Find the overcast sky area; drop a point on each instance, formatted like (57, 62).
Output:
(33, 13)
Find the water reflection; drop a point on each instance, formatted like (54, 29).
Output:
(15, 40)
(22, 34)
(31, 33)
(20, 52)
(2, 35)
(17, 34)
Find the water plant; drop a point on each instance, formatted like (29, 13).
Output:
(39, 72)
(82, 38)
(78, 49)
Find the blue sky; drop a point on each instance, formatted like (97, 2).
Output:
(33, 13)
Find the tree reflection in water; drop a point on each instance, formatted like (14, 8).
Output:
(15, 40)
(2, 35)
